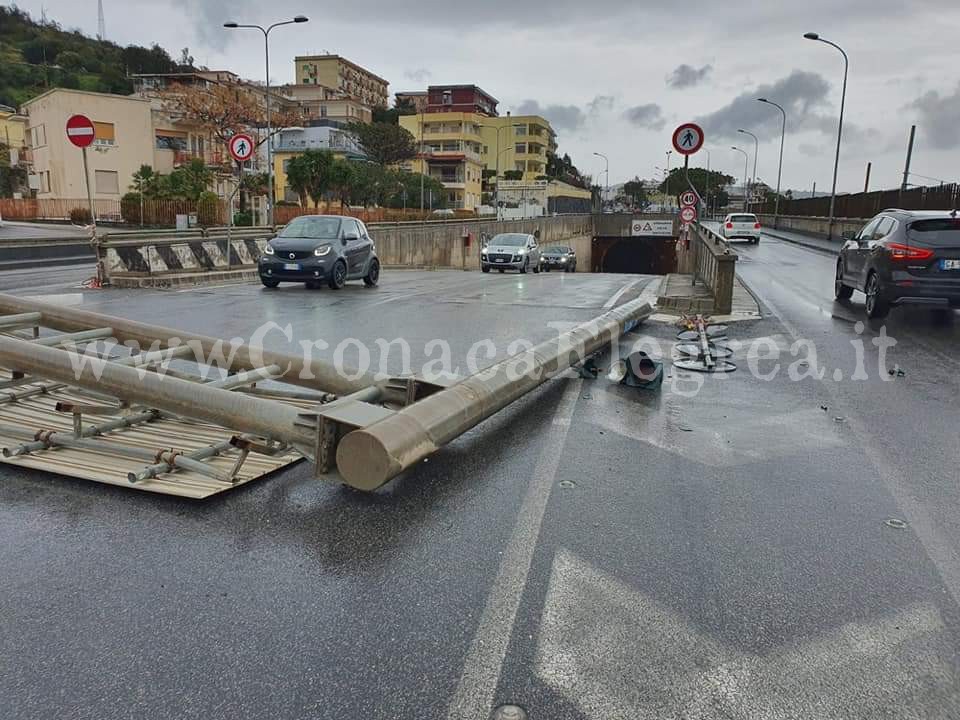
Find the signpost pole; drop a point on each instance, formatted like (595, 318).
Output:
(86, 181)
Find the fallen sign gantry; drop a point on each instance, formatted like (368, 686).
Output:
(356, 429)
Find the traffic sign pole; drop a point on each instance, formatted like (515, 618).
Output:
(86, 181)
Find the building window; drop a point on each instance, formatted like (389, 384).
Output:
(323, 111)
(486, 150)
(107, 182)
(520, 149)
(519, 129)
(447, 97)
(103, 134)
(164, 141)
(45, 181)
(519, 166)
(38, 136)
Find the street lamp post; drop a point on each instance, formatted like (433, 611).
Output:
(746, 161)
(783, 135)
(706, 183)
(667, 186)
(843, 100)
(607, 173)
(756, 151)
(266, 48)
(496, 190)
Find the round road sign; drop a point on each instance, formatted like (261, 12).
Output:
(80, 130)
(688, 214)
(688, 138)
(241, 147)
(688, 199)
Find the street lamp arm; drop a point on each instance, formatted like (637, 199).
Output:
(252, 27)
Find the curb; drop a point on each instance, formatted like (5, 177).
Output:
(811, 245)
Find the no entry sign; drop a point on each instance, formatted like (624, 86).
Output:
(688, 138)
(80, 131)
(241, 147)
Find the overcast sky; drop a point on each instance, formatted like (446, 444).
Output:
(617, 76)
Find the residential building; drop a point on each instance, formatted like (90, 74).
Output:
(323, 106)
(13, 136)
(338, 73)
(123, 141)
(291, 143)
(460, 98)
(523, 143)
(450, 151)
(417, 100)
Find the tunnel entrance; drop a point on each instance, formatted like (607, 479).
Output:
(639, 255)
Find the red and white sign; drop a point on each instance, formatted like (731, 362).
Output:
(241, 147)
(688, 214)
(688, 138)
(688, 199)
(80, 131)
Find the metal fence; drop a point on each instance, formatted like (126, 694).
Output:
(865, 205)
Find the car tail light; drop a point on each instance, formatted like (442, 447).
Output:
(730, 226)
(899, 251)
(756, 226)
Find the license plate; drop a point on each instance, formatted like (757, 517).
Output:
(499, 260)
(950, 264)
(291, 266)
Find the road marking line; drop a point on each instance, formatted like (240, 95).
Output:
(473, 698)
(619, 294)
(935, 544)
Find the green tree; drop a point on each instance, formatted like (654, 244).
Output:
(701, 179)
(342, 180)
(384, 143)
(513, 174)
(309, 174)
(191, 179)
(146, 182)
(393, 115)
(636, 193)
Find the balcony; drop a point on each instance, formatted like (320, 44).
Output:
(213, 159)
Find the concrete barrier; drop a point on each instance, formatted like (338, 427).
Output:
(813, 226)
(170, 258)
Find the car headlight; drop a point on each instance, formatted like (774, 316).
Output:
(563, 259)
(521, 251)
(322, 251)
(268, 250)
(483, 256)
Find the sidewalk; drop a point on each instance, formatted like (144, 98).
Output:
(678, 295)
(810, 241)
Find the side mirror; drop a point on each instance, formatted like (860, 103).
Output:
(350, 237)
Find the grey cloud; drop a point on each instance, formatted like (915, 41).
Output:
(649, 116)
(561, 117)
(684, 76)
(940, 118)
(601, 103)
(800, 93)
(420, 75)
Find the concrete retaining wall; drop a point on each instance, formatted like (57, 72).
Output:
(170, 259)
(815, 226)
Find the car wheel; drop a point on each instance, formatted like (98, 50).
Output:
(267, 283)
(338, 276)
(840, 290)
(536, 269)
(373, 274)
(877, 305)
(485, 268)
(523, 268)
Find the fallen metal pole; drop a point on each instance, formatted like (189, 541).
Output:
(180, 397)
(369, 457)
(151, 471)
(315, 374)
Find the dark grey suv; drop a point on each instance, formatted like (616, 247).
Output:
(314, 249)
(903, 257)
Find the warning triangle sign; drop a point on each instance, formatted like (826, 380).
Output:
(648, 228)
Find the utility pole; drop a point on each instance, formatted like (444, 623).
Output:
(866, 182)
(906, 167)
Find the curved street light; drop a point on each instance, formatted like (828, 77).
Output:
(756, 152)
(266, 47)
(607, 172)
(843, 99)
(746, 161)
(783, 135)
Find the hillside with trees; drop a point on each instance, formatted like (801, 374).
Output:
(37, 55)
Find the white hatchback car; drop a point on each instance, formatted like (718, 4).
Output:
(741, 225)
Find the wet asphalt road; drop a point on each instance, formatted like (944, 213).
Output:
(590, 552)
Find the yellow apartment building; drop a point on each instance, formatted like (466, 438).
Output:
(450, 150)
(338, 73)
(523, 142)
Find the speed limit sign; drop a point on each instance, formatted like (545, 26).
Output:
(688, 199)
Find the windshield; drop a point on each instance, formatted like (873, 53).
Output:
(556, 251)
(510, 240)
(320, 227)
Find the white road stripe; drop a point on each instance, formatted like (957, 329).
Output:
(619, 294)
(478, 683)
